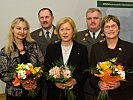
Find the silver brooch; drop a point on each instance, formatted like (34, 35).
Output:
(120, 49)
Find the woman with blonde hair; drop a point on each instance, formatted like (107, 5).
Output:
(20, 48)
(71, 53)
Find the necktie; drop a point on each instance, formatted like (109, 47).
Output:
(93, 35)
(48, 38)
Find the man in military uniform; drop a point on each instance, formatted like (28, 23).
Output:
(44, 36)
(89, 37)
(47, 34)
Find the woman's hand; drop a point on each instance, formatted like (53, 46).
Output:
(70, 83)
(113, 85)
(103, 85)
(60, 85)
(109, 85)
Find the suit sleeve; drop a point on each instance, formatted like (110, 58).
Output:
(47, 60)
(128, 59)
(79, 73)
(4, 67)
(93, 80)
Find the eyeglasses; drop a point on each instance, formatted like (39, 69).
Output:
(112, 27)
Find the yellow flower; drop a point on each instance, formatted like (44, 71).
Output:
(30, 65)
(32, 71)
(20, 67)
(101, 72)
(37, 69)
(40, 33)
(113, 59)
(55, 32)
(104, 65)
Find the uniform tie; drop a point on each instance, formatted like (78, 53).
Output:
(93, 35)
(48, 37)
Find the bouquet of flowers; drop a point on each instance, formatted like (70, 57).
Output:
(108, 71)
(62, 74)
(27, 74)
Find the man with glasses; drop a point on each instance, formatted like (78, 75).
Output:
(89, 37)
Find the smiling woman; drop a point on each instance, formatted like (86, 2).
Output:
(70, 53)
(113, 47)
(19, 46)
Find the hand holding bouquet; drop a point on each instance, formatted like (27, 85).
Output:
(27, 74)
(62, 76)
(108, 71)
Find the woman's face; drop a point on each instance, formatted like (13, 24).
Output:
(20, 31)
(66, 32)
(111, 30)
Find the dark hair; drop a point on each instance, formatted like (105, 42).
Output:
(46, 9)
(107, 18)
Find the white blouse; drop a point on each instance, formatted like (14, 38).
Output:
(66, 50)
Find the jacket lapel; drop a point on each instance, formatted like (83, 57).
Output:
(91, 40)
(72, 54)
(88, 37)
(121, 49)
(104, 50)
(60, 56)
(54, 38)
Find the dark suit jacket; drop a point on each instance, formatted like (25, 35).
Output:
(85, 38)
(78, 58)
(124, 52)
(41, 40)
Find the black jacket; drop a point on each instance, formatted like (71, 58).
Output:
(78, 58)
(124, 52)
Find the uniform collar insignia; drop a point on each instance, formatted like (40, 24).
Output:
(40, 33)
(84, 39)
(86, 34)
(102, 34)
(55, 32)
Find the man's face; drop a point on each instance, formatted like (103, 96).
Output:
(93, 20)
(46, 19)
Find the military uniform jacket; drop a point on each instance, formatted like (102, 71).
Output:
(40, 38)
(85, 38)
